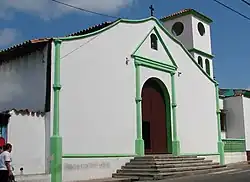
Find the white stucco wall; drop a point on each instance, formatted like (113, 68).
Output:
(190, 36)
(187, 35)
(221, 104)
(23, 82)
(246, 108)
(234, 117)
(97, 99)
(26, 132)
(196, 132)
(103, 89)
(202, 43)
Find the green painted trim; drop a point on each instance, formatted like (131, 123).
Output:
(141, 21)
(139, 143)
(189, 12)
(176, 142)
(200, 154)
(84, 156)
(233, 139)
(173, 145)
(146, 62)
(162, 43)
(56, 139)
(220, 144)
(208, 68)
(143, 40)
(201, 53)
(234, 145)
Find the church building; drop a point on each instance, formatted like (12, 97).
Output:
(106, 94)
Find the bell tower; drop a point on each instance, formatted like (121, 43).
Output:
(192, 29)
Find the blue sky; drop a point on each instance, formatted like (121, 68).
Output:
(27, 19)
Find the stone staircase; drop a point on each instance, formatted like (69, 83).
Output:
(156, 167)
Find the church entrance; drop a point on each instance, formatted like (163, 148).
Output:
(156, 118)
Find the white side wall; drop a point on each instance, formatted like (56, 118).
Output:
(221, 105)
(246, 108)
(234, 117)
(23, 82)
(27, 135)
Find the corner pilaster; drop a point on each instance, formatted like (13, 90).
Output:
(175, 141)
(139, 142)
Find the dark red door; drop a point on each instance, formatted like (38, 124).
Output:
(153, 119)
(248, 156)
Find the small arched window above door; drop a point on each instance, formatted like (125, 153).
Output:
(154, 41)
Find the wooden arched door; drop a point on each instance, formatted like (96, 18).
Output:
(154, 128)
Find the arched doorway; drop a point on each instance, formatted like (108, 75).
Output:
(156, 117)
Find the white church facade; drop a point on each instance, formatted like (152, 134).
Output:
(111, 92)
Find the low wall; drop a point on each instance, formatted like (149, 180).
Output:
(234, 157)
(27, 134)
(75, 169)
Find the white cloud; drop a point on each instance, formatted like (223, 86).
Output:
(47, 9)
(7, 36)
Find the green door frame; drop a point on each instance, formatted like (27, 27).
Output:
(151, 64)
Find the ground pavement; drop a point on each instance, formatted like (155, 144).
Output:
(240, 174)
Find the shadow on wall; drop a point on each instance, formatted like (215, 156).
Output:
(22, 92)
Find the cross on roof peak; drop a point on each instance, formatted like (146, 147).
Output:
(151, 10)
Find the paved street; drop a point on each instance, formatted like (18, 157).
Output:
(236, 175)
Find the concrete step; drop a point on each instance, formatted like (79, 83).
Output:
(163, 163)
(163, 156)
(163, 170)
(167, 160)
(158, 176)
(136, 166)
(122, 179)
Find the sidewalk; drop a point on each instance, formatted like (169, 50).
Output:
(240, 166)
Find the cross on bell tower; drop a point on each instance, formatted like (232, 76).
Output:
(151, 10)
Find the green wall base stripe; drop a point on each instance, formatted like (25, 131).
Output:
(139, 147)
(176, 147)
(56, 161)
(233, 140)
(82, 156)
(200, 154)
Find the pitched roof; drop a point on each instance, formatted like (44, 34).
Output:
(91, 29)
(187, 12)
(23, 48)
(23, 112)
(29, 43)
